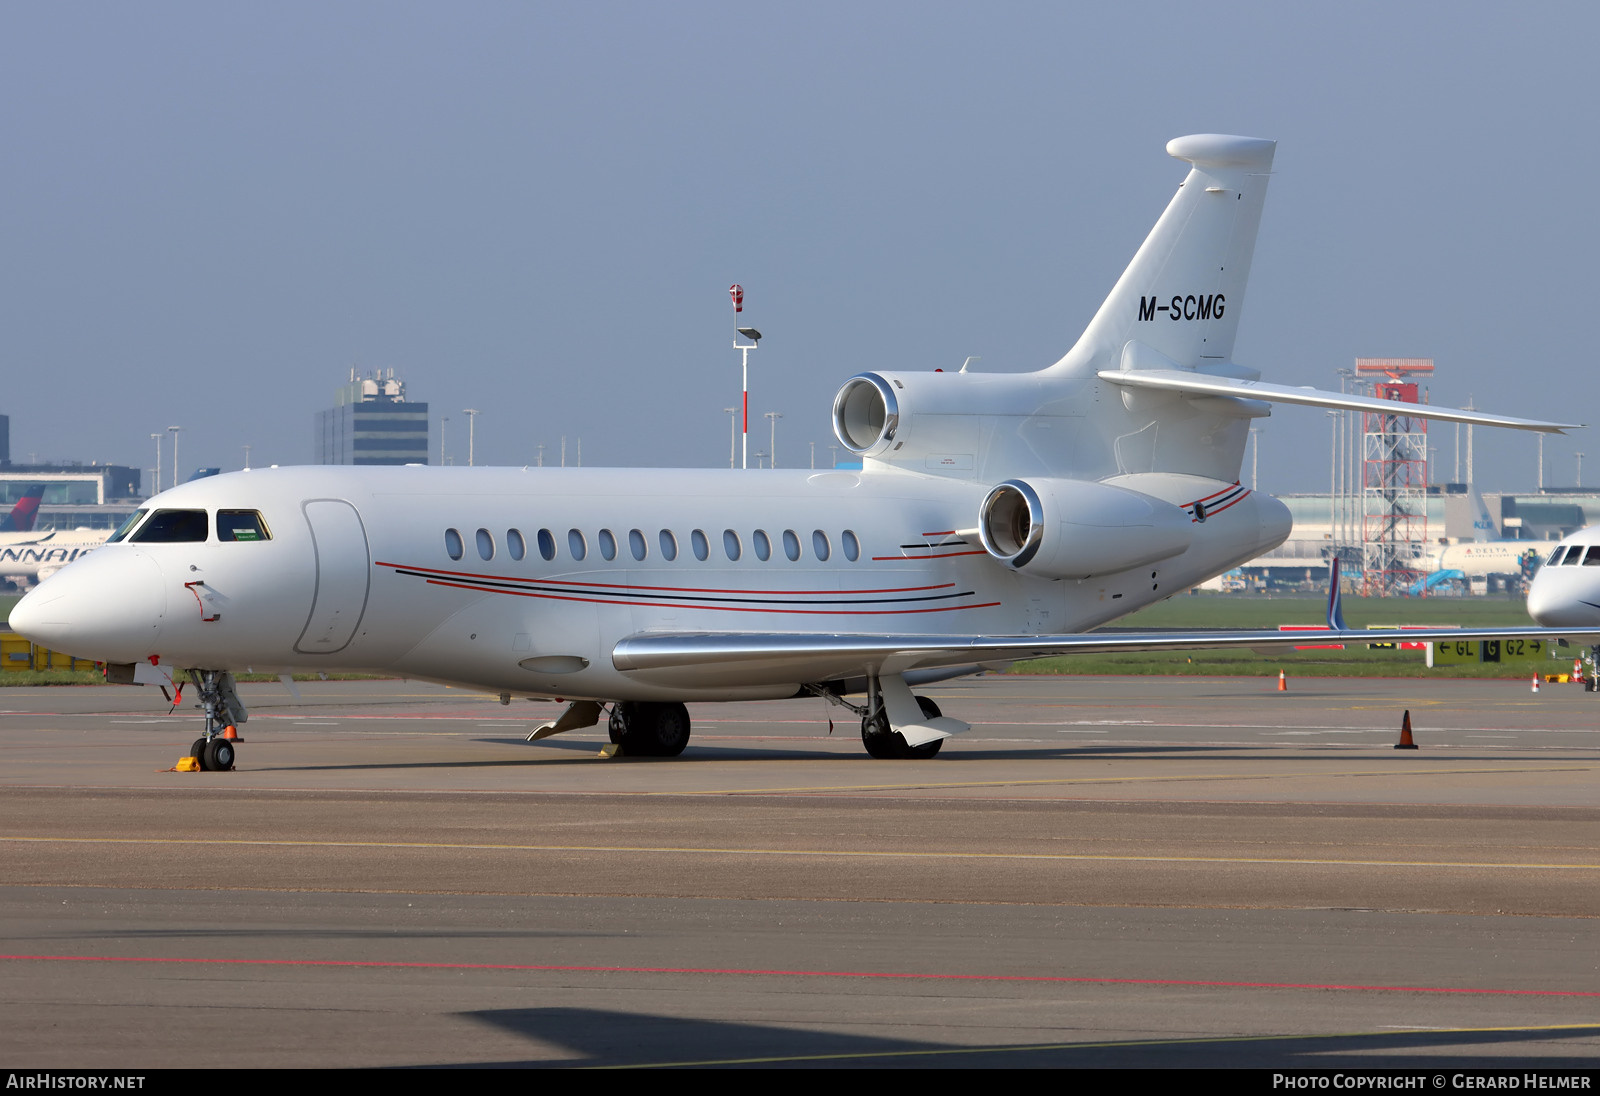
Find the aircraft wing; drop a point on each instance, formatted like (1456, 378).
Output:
(732, 658)
(1202, 384)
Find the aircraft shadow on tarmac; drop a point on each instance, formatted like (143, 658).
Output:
(607, 1038)
(698, 753)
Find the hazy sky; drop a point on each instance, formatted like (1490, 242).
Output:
(213, 211)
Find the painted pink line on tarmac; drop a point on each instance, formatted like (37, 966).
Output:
(563, 968)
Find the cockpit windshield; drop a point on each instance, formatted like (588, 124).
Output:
(172, 527)
(127, 527)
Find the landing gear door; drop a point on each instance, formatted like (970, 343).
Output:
(343, 575)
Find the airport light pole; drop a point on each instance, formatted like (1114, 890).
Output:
(1580, 469)
(155, 488)
(247, 458)
(733, 435)
(472, 423)
(744, 353)
(174, 431)
(773, 417)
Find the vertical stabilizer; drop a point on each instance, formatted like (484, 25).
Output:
(25, 512)
(1484, 527)
(1183, 293)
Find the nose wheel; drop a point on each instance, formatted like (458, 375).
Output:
(219, 700)
(215, 755)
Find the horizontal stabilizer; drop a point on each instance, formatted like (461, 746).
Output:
(1189, 383)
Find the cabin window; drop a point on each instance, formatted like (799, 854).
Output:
(1574, 555)
(453, 546)
(636, 544)
(608, 545)
(791, 544)
(852, 546)
(485, 545)
(173, 527)
(730, 543)
(702, 548)
(515, 544)
(127, 527)
(669, 545)
(1555, 557)
(241, 525)
(819, 545)
(547, 545)
(762, 544)
(576, 544)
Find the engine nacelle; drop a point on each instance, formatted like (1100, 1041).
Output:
(866, 415)
(1078, 529)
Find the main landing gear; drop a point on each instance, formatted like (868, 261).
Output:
(878, 732)
(888, 745)
(650, 729)
(223, 709)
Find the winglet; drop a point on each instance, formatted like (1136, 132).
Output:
(1335, 603)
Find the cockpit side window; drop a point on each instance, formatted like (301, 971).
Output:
(1574, 555)
(127, 527)
(173, 527)
(241, 525)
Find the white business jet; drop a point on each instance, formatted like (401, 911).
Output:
(995, 517)
(1566, 591)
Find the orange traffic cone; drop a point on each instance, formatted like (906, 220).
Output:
(1405, 742)
(1535, 682)
(1283, 682)
(231, 734)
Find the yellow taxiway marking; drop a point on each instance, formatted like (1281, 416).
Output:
(1115, 1044)
(656, 850)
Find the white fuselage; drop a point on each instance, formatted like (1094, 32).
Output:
(1492, 557)
(359, 571)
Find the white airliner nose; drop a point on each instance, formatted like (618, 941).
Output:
(1555, 599)
(108, 606)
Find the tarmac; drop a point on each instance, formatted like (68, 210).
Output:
(1106, 871)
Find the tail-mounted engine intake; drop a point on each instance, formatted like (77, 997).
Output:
(1076, 529)
(866, 415)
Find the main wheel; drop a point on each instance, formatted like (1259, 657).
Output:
(930, 710)
(880, 742)
(671, 729)
(885, 744)
(617, 728)
(218, 756)
(649, 729)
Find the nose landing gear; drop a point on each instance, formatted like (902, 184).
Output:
(220, 702)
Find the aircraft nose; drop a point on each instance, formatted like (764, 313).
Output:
(1553, 602)
(107, 606)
